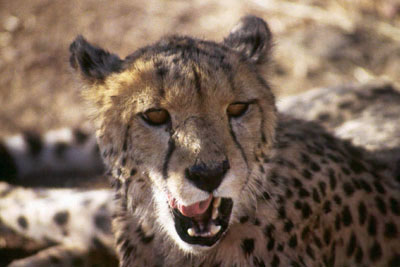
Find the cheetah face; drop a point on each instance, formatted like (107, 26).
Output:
(187, 118)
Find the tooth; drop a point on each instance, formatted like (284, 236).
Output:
(217, 202)
(190, 231)
(214, 229)
(214, 213)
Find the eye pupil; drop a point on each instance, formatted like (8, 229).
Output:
(156, 117)
(237, 109)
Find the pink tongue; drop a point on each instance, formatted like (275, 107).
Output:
(195, 209)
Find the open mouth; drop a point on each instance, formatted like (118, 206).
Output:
(202, 223)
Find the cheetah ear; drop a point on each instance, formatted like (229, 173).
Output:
(94, 63)
(252, 38)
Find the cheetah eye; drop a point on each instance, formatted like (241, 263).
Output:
(156, 116)
(236, 110)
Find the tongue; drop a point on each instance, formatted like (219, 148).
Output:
(195, 209)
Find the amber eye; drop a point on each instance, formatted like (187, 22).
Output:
(237, 109)
(156, 116)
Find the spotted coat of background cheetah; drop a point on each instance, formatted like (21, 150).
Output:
(207, 173)
(368, 114)
(290, 193)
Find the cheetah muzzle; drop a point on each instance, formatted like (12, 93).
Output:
(204, 222)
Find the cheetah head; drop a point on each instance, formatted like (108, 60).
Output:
(184, 120)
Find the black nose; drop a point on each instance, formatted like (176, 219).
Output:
(205, 177)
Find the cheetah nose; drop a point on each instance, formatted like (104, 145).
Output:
(207, 178)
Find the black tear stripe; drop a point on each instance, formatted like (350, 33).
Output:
(171, 148)
(263, 138)
(239, 146)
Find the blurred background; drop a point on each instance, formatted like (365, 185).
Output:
(317, 43)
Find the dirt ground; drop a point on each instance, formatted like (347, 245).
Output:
(317, 43)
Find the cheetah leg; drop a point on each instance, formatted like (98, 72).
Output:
(66, 256)
(55, 256)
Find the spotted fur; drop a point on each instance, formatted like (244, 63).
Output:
(367, 114)
(57, 152)
(299, 195)
(71, 223)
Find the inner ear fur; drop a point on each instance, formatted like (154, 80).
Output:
(252, 38)
(93, 62)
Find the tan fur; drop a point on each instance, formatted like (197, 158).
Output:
(281, 170)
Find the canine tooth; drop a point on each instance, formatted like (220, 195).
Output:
(214, 229)
(214, 213)
(190, 232)
(217, 202)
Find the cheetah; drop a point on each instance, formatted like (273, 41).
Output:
(337, 108)
(206, 172)
(56, 153)
(367, 114)
(68, 225)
